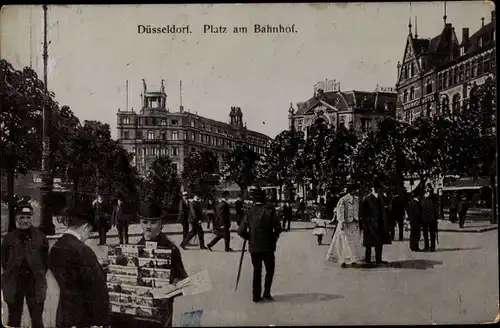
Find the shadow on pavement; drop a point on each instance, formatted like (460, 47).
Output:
(457, 249)
(306, 298)
(419, 264)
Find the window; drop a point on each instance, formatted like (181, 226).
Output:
(133, 150)
(126, 120)
(456, 103)
(405, 96)
(193, 136)
(479, 66)
(428, 110)
(192, 123)
(450, 78)
(365, 124)
(163, 122)
(151, 135)
(163, 135)
(461, 74)
(480, 42)
(445, 104)
(412, 93)
(175, 151)
(138, 134)
(467, 70)
(407, 116)
(175, 122)
(185, 135)
(429, 86)
(486, 64)
(126, 135)
(175, 135)
(455, 75)
(412, 69)
(140, 121)
(473, 68)
(175, 167)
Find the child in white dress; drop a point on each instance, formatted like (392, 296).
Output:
(320, 226)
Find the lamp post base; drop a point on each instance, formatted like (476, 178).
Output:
(47, 225)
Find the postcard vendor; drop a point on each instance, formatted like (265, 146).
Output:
(151, 218)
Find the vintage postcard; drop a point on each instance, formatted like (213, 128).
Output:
(297, 163)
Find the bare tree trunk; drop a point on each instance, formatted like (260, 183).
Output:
(11, 200)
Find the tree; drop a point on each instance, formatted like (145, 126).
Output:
(314, 152)
(161, 180)
(240, 166)
(335, 165)
(199, 170)
(22, 99)
(276, 165)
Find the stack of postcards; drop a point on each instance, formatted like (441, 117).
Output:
(137, 279)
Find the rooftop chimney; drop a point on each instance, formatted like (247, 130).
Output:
(465, 35)
(181, 109)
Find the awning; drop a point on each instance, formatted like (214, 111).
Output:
(466, 184)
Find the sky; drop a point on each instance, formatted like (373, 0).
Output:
(95, 49)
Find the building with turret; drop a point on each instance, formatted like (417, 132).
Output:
(358, 110)
(436, 74)
(156, 131)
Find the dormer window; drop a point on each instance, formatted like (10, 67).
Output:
(480, 42)
(126, 120)
(462, 50)
(412, 93)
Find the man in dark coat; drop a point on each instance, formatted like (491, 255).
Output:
(413, 212)
(238, 206)
(151, 217)
(261, 228)
(287, 215)
(430, 216)
(195, 218)
(121, 220)
(375, 223)
(183, 216)
(301, 208)
(462, 208)
(101, 214)
(222, 224)
(398, 207)
(453, 207)
(83, 298)
(24, 263)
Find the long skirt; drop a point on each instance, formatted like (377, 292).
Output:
(346, 245)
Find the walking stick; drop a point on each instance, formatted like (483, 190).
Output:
(240, 265)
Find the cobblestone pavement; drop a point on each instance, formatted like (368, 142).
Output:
(456, 284)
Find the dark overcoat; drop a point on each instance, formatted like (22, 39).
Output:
(414, 213)
(35, 250)
(261, 227)
(83, 298)
(183, 211)
(375, 226)
(195, 212)
(223, 218)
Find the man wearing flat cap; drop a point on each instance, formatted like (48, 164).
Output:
(24, 265)
(151, 217)
(83, 298)
(261, 227)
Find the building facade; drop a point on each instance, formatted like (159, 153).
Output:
(359, 110)
(436, 74)
(155, 131)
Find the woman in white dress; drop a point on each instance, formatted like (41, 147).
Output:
(347, 242)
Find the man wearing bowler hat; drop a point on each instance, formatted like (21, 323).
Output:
(151, 218)
(24, 265)
(83, 298)
(183, 216)
(261, 228)
(222, 224)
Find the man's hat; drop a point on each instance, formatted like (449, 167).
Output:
(352, 185)
(24, 209)
(80, 208)
(151, 210)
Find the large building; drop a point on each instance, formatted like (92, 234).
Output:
(359, 110)
(436, 74)
(155, 131)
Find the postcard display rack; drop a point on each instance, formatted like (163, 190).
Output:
(136, 275)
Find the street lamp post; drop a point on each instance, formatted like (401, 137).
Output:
(47, 224)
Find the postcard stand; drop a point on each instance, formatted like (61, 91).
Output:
(137, 279)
